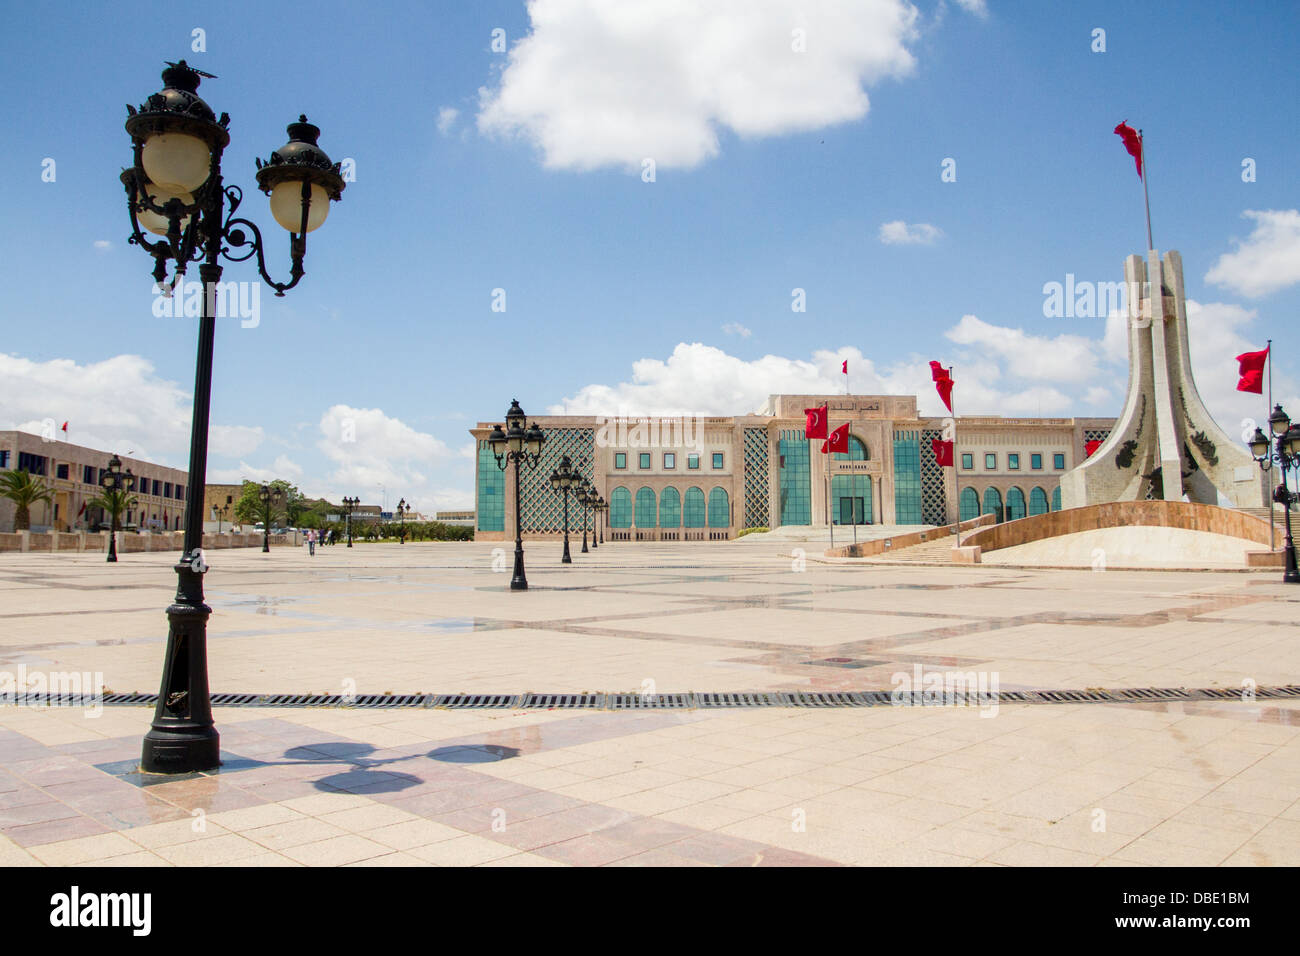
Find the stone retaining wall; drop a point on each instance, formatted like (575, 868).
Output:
(132, 543)
(867, 549)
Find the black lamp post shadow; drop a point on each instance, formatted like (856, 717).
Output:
(519, 445)
(1281, 446)
(563, 480)
(175, 191)
(117, 481)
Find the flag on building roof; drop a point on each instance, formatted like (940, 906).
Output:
(816, 420)
(942, 382)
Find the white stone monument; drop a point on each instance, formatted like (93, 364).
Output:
(1165, 445)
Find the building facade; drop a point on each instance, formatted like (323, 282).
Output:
(707, 478)
(72, 472)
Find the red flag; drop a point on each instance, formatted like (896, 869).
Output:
(1090, 446)
(942, 382)
(1132, 142)
(942, 452)
(839, 440)
(815, 426)
(845, 368)
(65, 427)
(1251, 371)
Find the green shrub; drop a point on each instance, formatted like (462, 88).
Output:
(745, 531)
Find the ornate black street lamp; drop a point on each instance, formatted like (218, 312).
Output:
(1282, 447)
(601, 507)
(269, 497)
(115, 480)
(403, 509)
(349, 505)
(175, 190)
(563, 480)
(518, 444)
(584, 496)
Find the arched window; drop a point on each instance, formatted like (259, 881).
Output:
(1037, 502)
(1015, 504)
(670, 508)
(645, 508)
(719, 509)
(857, 451)
(970, 504)
(1056, 499)
(693, 510)
(620, 508)
(993, 502)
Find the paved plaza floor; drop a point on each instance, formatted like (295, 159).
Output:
(1190, 782)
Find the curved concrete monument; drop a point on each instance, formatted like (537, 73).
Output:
(1165, 444)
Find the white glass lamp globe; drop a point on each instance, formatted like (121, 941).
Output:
(286, 205)
(176, 161)
(155, 223)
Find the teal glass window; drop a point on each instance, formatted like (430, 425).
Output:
(851, 499)
(795, 483)
(1058, 462)
(1013, 461)
(692, 461)
(1037, 502)
(719, 509)
(491, 491)
(1036, 462)
(967, 461)
(670, 508)
(693, 513)
(857, 451)
(1056, 499)
(717, 459)
(643, 460)
(907, 478)
(670, 460)
(970, 504)
(645, 508)
(620, 508)
(620, 459)
(1015, 504)
(990, 461)
(993, 502)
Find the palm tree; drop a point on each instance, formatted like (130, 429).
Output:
(114, 503)
(24, 491)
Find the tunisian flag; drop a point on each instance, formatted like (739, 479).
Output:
(815, 425)
(942, 382)
(1090, 446)
(1132, 142)
(838, 441)
(1251, 371)
(942, 452)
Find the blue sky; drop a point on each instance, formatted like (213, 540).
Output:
(776, 170)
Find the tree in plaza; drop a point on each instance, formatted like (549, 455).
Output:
(24, 490)
(249, 508)
(114, 503)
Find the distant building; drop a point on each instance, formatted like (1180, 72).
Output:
(703, 478)
(462, 518)
(73, 473)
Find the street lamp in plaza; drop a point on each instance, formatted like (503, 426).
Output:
(601, 507)
(519, 445)
(584, 495)
(269, 497)
(1282, 446)
(349, 505)
(115, 481)
(564, 479)
(175, 191)
(403, 509)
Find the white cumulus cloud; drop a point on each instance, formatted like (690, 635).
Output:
(1266, 261)
(612, 82)
(899, 233)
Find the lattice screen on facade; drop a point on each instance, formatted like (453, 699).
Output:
(934, 502)
(542, 507)
(756, 513)
(1096, 434)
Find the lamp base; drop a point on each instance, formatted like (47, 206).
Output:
(184, 750)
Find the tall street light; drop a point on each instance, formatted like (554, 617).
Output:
(349, 505)
(115, 481)
(403, 509)
(175, 190)
(584, 496)
(601, 507)
(1282, 447)
(519, 445)
(269, 497)
(563, 480)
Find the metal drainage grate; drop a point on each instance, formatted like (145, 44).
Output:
(476, 701)
(1290, 690)
(649, 701)
(1071, 696)
(740, 700)
(130, 699)
(826, 699)
(1152, 693)
(563, 701)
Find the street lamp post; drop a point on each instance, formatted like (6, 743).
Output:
(269, 498)
(584, 496)
(601, 507)
(115, 480)
(403, 509)
(563, 480)
(349, 505)
(175, 190)
(519, 445)
(1283, 447)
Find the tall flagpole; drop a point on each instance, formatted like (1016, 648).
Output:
(956, 475)
(827, 464)
(1146, 198)
(1272, 533)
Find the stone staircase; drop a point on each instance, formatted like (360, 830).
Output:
(1279, 520)
(936, 551)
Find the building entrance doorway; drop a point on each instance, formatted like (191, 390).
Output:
(853, 510)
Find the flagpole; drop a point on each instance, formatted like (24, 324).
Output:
(956, 476)
(1272, 533)
(827, 462)
(1145, 197)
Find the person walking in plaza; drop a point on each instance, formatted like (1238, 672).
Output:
(311, 542)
